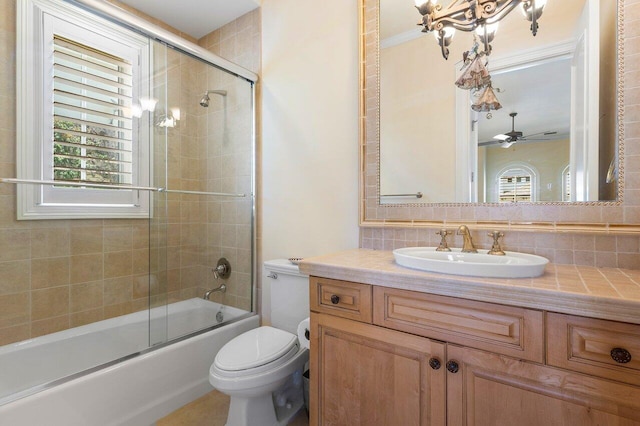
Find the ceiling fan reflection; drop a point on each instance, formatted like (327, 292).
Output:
(506, 140)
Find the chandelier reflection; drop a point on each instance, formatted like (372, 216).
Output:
(481, 16)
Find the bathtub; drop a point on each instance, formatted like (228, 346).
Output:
(142, 386)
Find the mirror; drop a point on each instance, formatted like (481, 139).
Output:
(558, 92)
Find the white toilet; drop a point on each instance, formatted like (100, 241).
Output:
(261, 370)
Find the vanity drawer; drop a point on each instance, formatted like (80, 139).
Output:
(506, 330)
(340, 298)
(586, 345)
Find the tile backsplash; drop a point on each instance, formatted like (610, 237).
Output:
(604, 251)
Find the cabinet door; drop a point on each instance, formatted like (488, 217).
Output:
(367, 375)
(494, 390)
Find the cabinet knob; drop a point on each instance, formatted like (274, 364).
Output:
(452, 366)
(620, 355)
(434, 363)
(335, 299)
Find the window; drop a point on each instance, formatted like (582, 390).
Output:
(80, 78)
(516, 184)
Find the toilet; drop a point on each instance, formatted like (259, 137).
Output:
(261, 370)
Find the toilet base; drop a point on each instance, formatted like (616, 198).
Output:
(261, 411)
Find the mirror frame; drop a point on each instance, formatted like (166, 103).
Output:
(590, 217)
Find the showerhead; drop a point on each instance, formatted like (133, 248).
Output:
(205, 99)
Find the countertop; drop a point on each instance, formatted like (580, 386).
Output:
(606, 293)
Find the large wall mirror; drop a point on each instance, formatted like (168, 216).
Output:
(560, 109)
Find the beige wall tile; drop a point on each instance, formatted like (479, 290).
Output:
(49, 325)
(117, 310)
(15, 334)
(15, 244)
(118, 264)
(52, 272)
(14, 309)
(49, 303)
(142, 286)
(86, 268)
(49, 242)
(140, 235)
(117, 238)
(118, 290)
(86, 240)
(86, 296)
(14, 277)
(87, 317)
(140, 261)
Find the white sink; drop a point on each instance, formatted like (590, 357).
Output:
(481, 264)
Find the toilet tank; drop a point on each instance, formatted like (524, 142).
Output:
(289, 294)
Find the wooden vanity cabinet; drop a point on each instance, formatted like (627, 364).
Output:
(366, 375)
(422, 359)
(495, 390)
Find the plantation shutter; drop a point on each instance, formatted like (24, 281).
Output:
(514, 186)
(92, 122)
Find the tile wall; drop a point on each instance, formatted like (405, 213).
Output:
(228, 223)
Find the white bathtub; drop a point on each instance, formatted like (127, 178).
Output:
(136, 391)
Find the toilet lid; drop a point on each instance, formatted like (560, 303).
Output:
(255, 348)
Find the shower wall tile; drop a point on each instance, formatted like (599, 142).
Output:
(85, 240)
(118, 264)
(50, 272)
(46, 242)
(15, 309)
(116, 310)
(86, 317)
(117, 238)
(15, 334)
(14, 277)
(49, 325)
(86, 296)
(85, 268)
(49, 303)
(15, 244)
(117, 290)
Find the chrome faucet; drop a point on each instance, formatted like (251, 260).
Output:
(467, 245)
(221, 289)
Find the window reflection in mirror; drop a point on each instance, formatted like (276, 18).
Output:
(562, 87)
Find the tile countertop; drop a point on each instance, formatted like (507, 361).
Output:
(606, 293)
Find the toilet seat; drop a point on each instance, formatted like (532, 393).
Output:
(255, 351)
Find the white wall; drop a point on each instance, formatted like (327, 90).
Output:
(309, 197)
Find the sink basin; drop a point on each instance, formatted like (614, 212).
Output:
(481, 264)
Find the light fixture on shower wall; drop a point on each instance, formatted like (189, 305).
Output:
(473, 15)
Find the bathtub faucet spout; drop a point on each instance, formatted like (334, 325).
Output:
(221, 289)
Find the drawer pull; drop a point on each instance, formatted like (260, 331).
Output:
(434, 363)
(335, 299)
(620, 355)
(452, 366)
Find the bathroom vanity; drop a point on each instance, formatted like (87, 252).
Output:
(392, 346)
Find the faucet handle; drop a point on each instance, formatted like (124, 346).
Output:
(222, 270)
(443, 242)
(496, 250)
